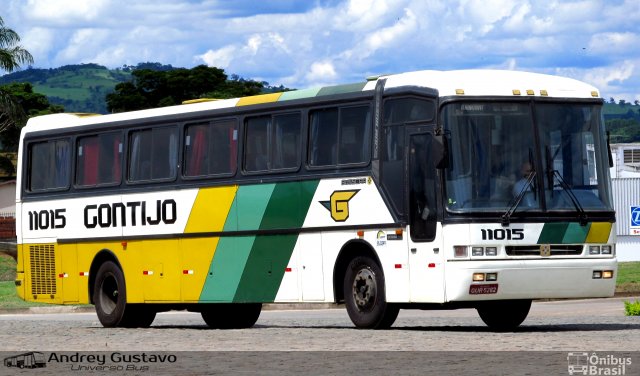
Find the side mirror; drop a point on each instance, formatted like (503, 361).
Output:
(609, 149)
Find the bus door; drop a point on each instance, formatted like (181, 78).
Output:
(426, 259)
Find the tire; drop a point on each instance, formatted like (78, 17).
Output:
(110, 294)
(231, 315)
(365, 297)
(138, 316)
(110, 298)
(504, 315)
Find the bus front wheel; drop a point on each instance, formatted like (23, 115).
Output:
(504, 315)
(364, 295)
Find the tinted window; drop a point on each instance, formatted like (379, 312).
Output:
(153, 154)
(49, 165)
(272, 143)
(99, 160)
(405, 110)
(340, 136)
(210, 148)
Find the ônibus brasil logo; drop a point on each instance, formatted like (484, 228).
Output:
(583, 363)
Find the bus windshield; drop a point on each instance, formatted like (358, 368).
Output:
(501, 159)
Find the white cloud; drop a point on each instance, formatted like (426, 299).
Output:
(219, 58)
(614, 42)
(339, 41)
(68, 12)
(322, 71)
(83, 43)
(39, 42)
(606, 77)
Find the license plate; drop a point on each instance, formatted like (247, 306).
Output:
(483, 289)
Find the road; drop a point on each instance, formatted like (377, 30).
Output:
(597, 324)
(324, 342)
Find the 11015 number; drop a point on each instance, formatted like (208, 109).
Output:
(47, 219)
(502, 234)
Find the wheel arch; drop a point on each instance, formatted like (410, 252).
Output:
(103, 256)
(348, 252)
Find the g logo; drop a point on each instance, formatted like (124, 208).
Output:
(338, 204)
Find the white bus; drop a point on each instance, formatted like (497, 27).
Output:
(429, 190)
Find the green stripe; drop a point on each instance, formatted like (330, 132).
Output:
(298, 94)
(341, 89)
(232, 254)
(251, 268)
(552, 233)
(564, 233)
(270, 254)
(576, 233)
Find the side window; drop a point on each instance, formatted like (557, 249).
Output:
(323, 138)
(49, 165)
(340, 136)
(98, 160)
(210, 148)
(153, 154)
(406, 110)
(354, 137)
(256, 152)
(285, 150)
(272, 143)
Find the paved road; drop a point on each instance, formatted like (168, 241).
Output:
(586, 325)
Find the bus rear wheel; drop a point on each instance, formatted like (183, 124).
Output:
(231, 315)
(364, 295)
(110, 298)
(504, 315)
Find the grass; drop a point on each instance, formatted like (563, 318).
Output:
(9, 299)
(627, 283)
(632, 308)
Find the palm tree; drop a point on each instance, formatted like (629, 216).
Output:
(11, 56)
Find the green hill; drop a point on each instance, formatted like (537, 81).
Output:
(623, 121)
(79, 88)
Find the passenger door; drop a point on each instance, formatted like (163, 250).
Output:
(426, 261)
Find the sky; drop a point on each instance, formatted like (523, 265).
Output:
(310, 43)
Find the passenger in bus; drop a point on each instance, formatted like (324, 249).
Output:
(523, 185)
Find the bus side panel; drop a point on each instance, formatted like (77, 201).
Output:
(251, 268)
(67, 256)
(86, 253)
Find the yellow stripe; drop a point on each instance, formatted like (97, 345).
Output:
(210, 209)
(599, 232)
(257, 99)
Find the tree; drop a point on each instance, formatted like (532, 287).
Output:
(31, 104)
(151, 88)
(12, 56)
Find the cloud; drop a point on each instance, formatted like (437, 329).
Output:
(70, 13)
(321, 72)
(332, 41)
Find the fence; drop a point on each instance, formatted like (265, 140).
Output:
(7, 225)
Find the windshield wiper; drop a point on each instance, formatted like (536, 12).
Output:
(506, 217)
(582, 216)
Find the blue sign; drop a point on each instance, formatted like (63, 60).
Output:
(635, 216)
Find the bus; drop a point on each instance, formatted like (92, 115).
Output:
(32, 359)
(480, 189)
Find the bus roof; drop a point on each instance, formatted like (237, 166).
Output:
(448, 83)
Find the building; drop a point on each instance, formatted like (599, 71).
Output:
(625, 175)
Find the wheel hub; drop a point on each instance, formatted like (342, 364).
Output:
(364, 288)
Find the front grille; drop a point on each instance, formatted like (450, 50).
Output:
(534, 250)
(43, 269)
